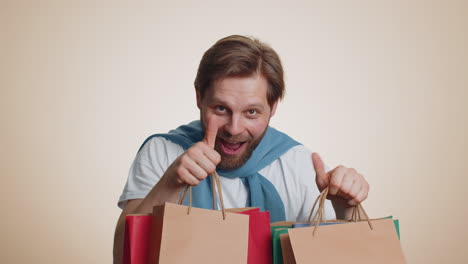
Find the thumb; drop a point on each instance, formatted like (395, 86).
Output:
(211, 131)
(321, 177)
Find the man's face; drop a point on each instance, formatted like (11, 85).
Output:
(241, 108)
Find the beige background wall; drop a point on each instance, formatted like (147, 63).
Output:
(376, 85)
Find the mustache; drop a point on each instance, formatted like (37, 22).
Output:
(227, 136)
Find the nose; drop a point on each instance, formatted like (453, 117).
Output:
(234, 125)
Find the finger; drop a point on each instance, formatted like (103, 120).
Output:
(196, 171)
(319, 167)
(321, 177)
(346, 186)
(210, 153)
(359, 198)
(355, 189)
(185, 177)
(213, 156)
(206, 164)
(211, 131)
(335, 180)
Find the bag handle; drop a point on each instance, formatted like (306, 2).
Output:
(319, 216)
(215, 180)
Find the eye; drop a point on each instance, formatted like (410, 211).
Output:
(220, 109)
(252, 112)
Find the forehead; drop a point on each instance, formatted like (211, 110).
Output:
(239, 90)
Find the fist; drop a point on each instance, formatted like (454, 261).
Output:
(197, 162)
(345, 185)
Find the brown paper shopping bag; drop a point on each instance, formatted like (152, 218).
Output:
(183, 234)
(370, 241)
(287, 255)
(286, 248)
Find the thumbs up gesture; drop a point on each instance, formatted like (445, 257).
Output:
(346, 187)
(197, 162)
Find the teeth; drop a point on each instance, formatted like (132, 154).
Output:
(230, 142)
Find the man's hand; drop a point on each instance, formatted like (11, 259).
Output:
(346, 187)
(193, 166)
(199, 161)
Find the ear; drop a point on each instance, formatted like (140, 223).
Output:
(273, 108)
(199, 100)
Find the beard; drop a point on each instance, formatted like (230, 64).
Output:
(231, 162)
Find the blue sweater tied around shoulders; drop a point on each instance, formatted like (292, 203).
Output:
(262, 193)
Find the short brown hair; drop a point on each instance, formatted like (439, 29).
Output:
(241, 56)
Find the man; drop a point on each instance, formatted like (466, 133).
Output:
(238, 86)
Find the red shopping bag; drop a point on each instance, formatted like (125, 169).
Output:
(260, 248)
(137, 238)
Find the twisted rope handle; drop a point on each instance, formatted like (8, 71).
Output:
(319, 216)
(215, 180)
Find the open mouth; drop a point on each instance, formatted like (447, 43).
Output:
(230, 147)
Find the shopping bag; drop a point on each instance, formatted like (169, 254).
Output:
(260, 250)
(396, 223)
(137, 238)
(287, 254)
(286, 249)
(282, 251)
(184, 234)
(370, 241)
(277, 231)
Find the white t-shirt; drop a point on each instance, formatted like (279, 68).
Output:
(292, 174)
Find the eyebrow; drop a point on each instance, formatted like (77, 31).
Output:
(256, 106)
(219, 101)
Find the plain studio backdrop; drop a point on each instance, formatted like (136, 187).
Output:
(380, 86)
